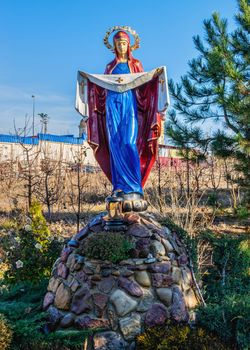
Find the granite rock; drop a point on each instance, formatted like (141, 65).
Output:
(81, 234)
(122, 302)
(65, 253)
(158, 248)
(160, 280)
(54, 267)
(167, 231)
(96, 278)
(187, 280)
(116, 273)
(97, 219)
(176, 247)
(178, 309)
(132, 218)
(106, 272)
(155, 236)
(67, 320)
(142, 243)
(48, 300)
(106, 285)
(71, 262)
(87, 322)
(96, 228)
(156, 315)
(165, 295)
(62, 270)
(143, 278)
(63, 297)
(168, 246)
(127, 273)
(53, 284)
(130, 326)
(109, 341)
(81, 276)
(113, 317)
(183, 260)
(100, 301)
(131, 287)
(145, 301)
(54, 315)
(164, 267)
(81, 301)
(138, 230)
(79, 262)
(74, 285)
(176, 275)
(149, 222)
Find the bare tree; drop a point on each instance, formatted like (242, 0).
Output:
(29, 171)
(76, 182)
(49, 190)
(9, 179)
(28, 161)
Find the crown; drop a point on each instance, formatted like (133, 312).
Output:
(136, 44)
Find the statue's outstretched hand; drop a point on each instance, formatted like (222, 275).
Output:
(158, 72)
(162, 115)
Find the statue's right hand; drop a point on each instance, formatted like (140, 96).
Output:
(85, 119)
(158, 72)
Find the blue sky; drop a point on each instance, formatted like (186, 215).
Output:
(45, 42)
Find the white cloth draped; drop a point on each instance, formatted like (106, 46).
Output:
(120, 83)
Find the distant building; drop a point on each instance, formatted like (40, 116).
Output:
(66, 148)
(170, 156)
(54, 147)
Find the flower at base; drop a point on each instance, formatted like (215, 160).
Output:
(17, 239)
(38, 246)
(19, 264)
(60, 239)
(28, 228)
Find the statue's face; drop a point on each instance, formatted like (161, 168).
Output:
(121, 46)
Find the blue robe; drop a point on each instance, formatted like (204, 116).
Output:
(122, 128)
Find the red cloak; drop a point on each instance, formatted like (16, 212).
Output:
(149, 122)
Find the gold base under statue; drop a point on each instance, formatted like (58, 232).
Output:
(119, 204)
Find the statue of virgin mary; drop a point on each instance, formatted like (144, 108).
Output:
(123, 109)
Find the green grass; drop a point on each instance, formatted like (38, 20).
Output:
(21, 306)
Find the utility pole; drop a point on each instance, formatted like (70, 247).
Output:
(33, 123)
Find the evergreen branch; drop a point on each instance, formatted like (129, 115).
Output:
(229, 124)
(243, 18)
(217, 87)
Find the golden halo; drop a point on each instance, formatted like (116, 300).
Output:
(126, 29)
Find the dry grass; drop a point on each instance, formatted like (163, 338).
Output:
(200, 199)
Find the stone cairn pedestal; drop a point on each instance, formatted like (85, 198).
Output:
(122, 299)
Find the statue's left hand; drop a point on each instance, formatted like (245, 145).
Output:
(158, 72)
(162, 115)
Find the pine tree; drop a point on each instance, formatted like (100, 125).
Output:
(217, 88)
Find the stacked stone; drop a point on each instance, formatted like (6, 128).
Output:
(124, 298)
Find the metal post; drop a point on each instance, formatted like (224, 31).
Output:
(33, 123)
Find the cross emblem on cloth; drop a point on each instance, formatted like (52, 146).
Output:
(161, 81)
(119, 80)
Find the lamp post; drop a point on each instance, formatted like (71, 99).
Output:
(33, 123)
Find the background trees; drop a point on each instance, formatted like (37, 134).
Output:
(215, 93)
